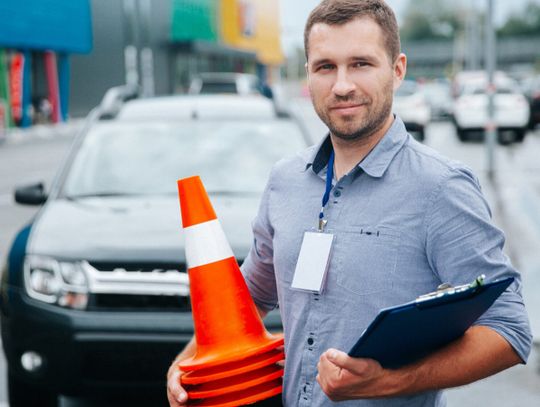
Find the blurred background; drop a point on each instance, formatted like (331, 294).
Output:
(472, 92)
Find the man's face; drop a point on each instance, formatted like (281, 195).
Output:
(351, 77)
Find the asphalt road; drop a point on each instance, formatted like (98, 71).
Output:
(514, 197)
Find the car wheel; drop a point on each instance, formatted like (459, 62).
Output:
(22, 394)
(461, 134)
(421, 134)
(504, 138)
(519, 135)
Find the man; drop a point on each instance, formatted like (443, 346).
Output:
(404, 219)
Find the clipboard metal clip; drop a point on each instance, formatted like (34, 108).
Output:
(449, 289)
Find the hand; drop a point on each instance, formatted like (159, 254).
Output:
(176, 394)
(281, 363)
(342, 377)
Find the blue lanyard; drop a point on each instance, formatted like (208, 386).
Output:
(326, 196)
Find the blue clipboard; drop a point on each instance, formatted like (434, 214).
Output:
(405, 333)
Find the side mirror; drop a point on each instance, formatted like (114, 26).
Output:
(31, 195)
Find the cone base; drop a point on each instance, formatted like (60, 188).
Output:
(258, 393)
(232, 368)
(215, 359)
(234, 384)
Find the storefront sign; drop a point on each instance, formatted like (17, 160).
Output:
(60, 25)
(16, 85)
(253, 25)
(247, 18)
(194, 20)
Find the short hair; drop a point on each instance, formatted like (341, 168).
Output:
(339, 12)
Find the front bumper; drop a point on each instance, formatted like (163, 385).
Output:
(504, 119)
(94, 352)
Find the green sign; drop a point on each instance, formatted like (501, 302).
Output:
(194, 20)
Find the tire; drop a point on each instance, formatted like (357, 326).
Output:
(504, 140)
(462, 134)
(519, 135)
(421, 134)
(22, 394)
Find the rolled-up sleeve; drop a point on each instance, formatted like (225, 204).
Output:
(258, 267)
(462, 243)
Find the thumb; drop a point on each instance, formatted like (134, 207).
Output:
(357, 366)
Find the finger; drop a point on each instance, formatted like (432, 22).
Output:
(358, 366)
(175, 391)
(173, 402)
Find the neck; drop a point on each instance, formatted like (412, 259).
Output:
(348, 153)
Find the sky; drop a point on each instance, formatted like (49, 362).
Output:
(294, 14)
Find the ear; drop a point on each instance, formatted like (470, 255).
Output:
(400, 69)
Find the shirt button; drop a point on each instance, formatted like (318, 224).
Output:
(337, 193)
(310, 341)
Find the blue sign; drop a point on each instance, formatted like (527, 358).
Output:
(56, 25)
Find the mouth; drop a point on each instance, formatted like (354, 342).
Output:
(346, 109)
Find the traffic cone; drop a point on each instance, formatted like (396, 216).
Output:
(235, 359)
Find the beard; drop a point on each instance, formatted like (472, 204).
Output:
(353, 128)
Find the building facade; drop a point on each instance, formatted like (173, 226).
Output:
(36, 41)
(60, 57)
(162, 44)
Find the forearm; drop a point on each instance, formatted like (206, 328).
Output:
(479, 353)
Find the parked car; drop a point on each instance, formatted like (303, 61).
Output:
(94, 297)
(471, 109)
(411, 106)
(439, 98)
(531, 89)
(228, 83)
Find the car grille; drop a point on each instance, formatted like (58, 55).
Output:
(126, 302)
(137, 286)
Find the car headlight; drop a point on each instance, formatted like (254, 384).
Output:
(56, 282)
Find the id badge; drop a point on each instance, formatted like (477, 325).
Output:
(313, 262)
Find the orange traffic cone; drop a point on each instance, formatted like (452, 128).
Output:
(236, 356)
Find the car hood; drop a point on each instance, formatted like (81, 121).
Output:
(132, 229)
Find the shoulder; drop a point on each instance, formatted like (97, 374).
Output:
(449, 186)
(434, 169)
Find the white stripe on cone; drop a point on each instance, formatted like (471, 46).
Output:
(206, 243)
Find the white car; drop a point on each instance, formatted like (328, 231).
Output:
(412, 107)
(471, 109)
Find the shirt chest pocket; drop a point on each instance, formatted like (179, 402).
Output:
(366, 259)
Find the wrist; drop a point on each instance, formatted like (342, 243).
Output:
(400, 381)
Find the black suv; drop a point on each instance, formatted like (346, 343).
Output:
(94, 295)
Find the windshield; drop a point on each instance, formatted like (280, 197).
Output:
(218, 87)
(148, 158)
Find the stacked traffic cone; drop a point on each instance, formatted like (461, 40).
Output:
(236, 357)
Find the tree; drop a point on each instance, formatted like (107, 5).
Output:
(430, 19)
(524, 22)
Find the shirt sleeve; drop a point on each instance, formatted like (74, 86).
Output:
(258, 267)
(462, 243)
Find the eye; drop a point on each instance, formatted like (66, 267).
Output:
(360, 64)
(325, 67)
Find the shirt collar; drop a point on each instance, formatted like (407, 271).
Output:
(376, 162)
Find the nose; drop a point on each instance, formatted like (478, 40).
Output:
(343, 85)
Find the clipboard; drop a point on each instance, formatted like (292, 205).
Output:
(405, 333)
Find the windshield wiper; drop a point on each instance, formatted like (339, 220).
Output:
(101, 195)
